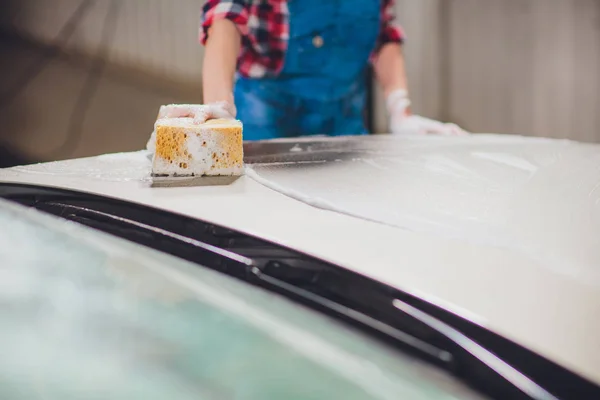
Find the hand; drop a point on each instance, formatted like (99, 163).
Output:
(200, 112)
(403, 123)
(417, 125)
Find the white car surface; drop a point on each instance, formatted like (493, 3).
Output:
(503, 231)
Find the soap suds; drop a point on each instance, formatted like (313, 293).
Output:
(486, 190)
(507, 159)
(313, 201)
(201, 145)
(117, 167)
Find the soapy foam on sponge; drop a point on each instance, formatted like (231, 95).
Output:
(187, 149)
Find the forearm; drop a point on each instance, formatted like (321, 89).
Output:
(389, 68)
(220, 58)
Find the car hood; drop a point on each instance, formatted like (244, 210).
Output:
(501, 230)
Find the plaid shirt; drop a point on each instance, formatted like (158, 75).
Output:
(265, 32)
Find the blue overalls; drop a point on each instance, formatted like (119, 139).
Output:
(321, 88)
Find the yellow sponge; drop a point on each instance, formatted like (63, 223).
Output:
(187, 149)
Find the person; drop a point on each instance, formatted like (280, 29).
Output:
(289, 68)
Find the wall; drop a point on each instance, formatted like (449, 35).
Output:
(155, 59)
(514, 66)
(152, 36)
(525, 66)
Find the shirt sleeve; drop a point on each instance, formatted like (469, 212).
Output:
(234, 10)
(389, 32)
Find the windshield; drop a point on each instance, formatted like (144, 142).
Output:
(86, 315)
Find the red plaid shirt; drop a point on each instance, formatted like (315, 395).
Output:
(265, 32)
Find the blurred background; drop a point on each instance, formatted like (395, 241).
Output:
(85, 77)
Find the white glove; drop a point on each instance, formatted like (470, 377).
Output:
(403, 124)
(199, 112)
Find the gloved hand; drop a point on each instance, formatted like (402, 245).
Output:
(403, 123)
(199, 112)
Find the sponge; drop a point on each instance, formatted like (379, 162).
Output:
(186, 149)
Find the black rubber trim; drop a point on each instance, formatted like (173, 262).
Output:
(364, 303)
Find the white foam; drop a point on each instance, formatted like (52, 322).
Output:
(189, 122)
(178, 122)
(309, 199)
(522, 194)
(199, 112)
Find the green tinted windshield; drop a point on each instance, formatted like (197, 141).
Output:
(89, 316)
